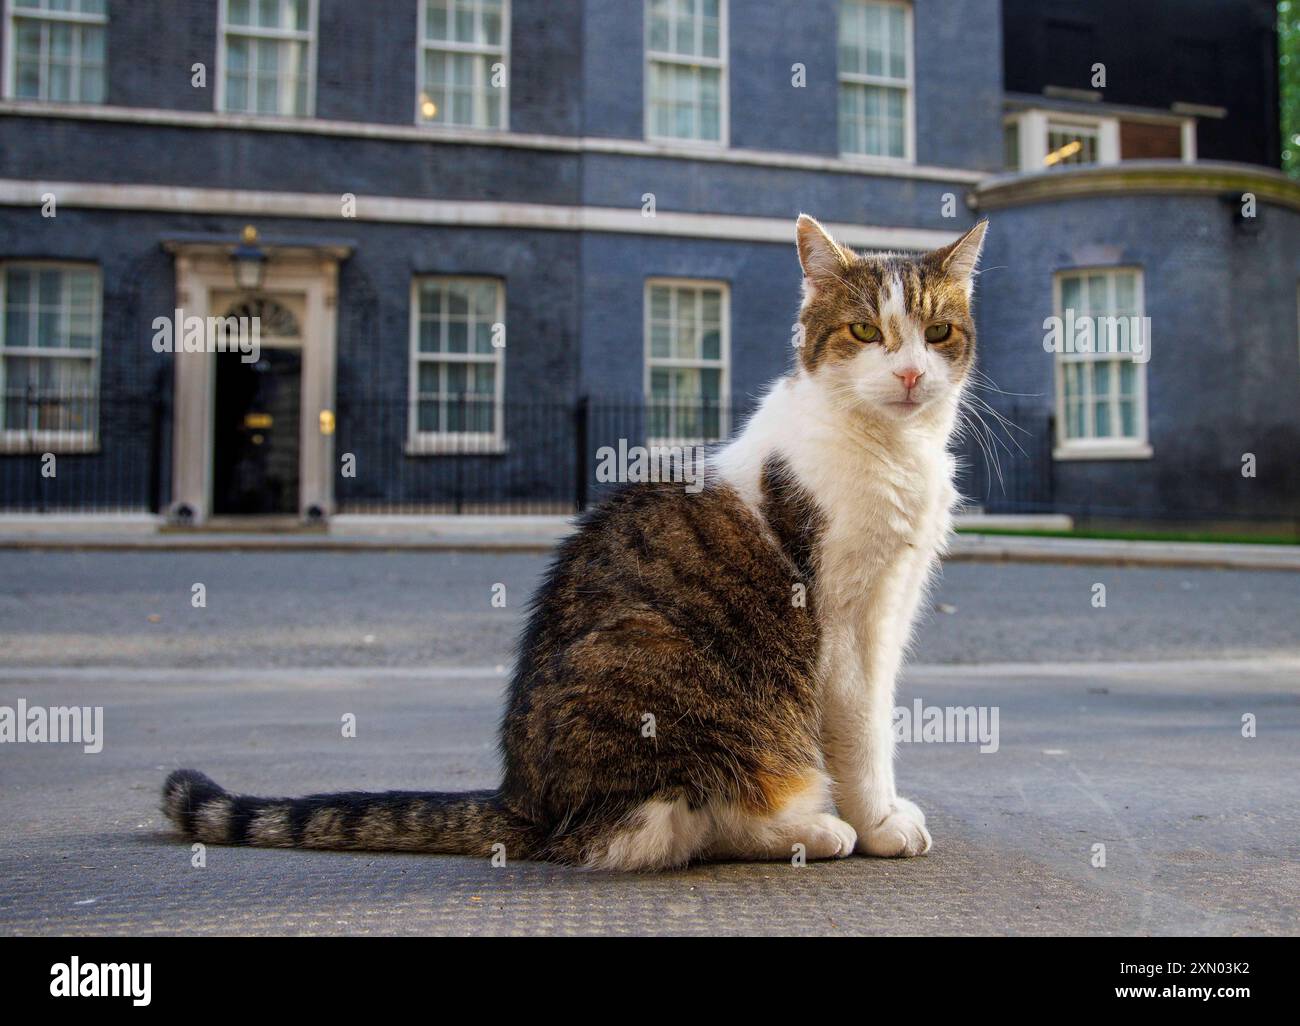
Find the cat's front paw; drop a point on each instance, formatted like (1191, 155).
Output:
(901, 834)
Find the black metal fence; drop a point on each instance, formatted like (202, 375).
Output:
(535, 457)
(1004, 460)
(79, 453)
(75, 453)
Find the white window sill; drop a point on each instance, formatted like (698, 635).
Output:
(668, 144)
(457, 132)
(452, 445)
(1117, 450)
(16, 443)
(872, 160)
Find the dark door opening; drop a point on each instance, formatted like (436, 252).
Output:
(255, 457)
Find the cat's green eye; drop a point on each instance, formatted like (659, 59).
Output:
(865, 332)
(938, 332)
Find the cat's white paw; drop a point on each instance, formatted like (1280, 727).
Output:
(828, 837)
(901, 834)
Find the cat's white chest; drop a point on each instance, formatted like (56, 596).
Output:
(881, 539)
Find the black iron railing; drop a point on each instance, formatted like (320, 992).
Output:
(80, 453)
(83, 453)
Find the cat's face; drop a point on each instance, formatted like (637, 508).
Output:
(889, 335)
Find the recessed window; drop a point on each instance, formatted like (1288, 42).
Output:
(1011, 145)
(464, 50)
(57, 50)
(49, 349)
(875, 72)
(267, 57)
(457, 364)
(1071, 143)
(1101, 387)
(687, 334)
(686, 70)
(1037, 139)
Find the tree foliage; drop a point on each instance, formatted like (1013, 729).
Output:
(1288, 38)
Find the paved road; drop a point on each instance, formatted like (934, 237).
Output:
(1201, 826)
(422, 608)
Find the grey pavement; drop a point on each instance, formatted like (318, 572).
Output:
(435, 608)
(1120, 727)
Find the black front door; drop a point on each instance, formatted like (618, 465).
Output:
(255, 462)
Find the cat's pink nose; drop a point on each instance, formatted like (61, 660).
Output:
(909, 377)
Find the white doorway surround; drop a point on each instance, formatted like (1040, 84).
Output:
(300, 277)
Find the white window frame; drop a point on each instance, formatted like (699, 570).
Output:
(723, 362)
(12, 14)
(1096, 128)
(907, 84)
(310, 36)
(26, 440)
(466, 443)
(724, 81)
(1114, 447)
(423, 46)
(1033, 127)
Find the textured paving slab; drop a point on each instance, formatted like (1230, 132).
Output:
(1201, 826)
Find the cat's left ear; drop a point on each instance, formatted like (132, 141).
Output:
(959, 259)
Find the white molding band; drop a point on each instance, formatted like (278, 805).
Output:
(464, 213)
(488, 137)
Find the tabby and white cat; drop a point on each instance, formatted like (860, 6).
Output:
(761, 622)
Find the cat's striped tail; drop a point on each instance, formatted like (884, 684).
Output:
(465, 823)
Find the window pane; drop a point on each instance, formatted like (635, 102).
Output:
(54, 309)
(427, 416)
(463, 312)
(1128, 418)
(1101, 379)
(1071, 294)
(1099, 396)
(492, 24)
(711, 345)
(872, 120)
(897, 47)
(685, 330)
(480, 417)
(684, 100)
(1126, 294)
(429, 336)
(1101, 419)
(456, 377)
(60, 41)
(1076, 426)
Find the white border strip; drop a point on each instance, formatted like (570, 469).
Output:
(488, 137)
(463, 213)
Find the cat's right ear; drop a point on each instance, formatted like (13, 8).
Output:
(820, 256)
